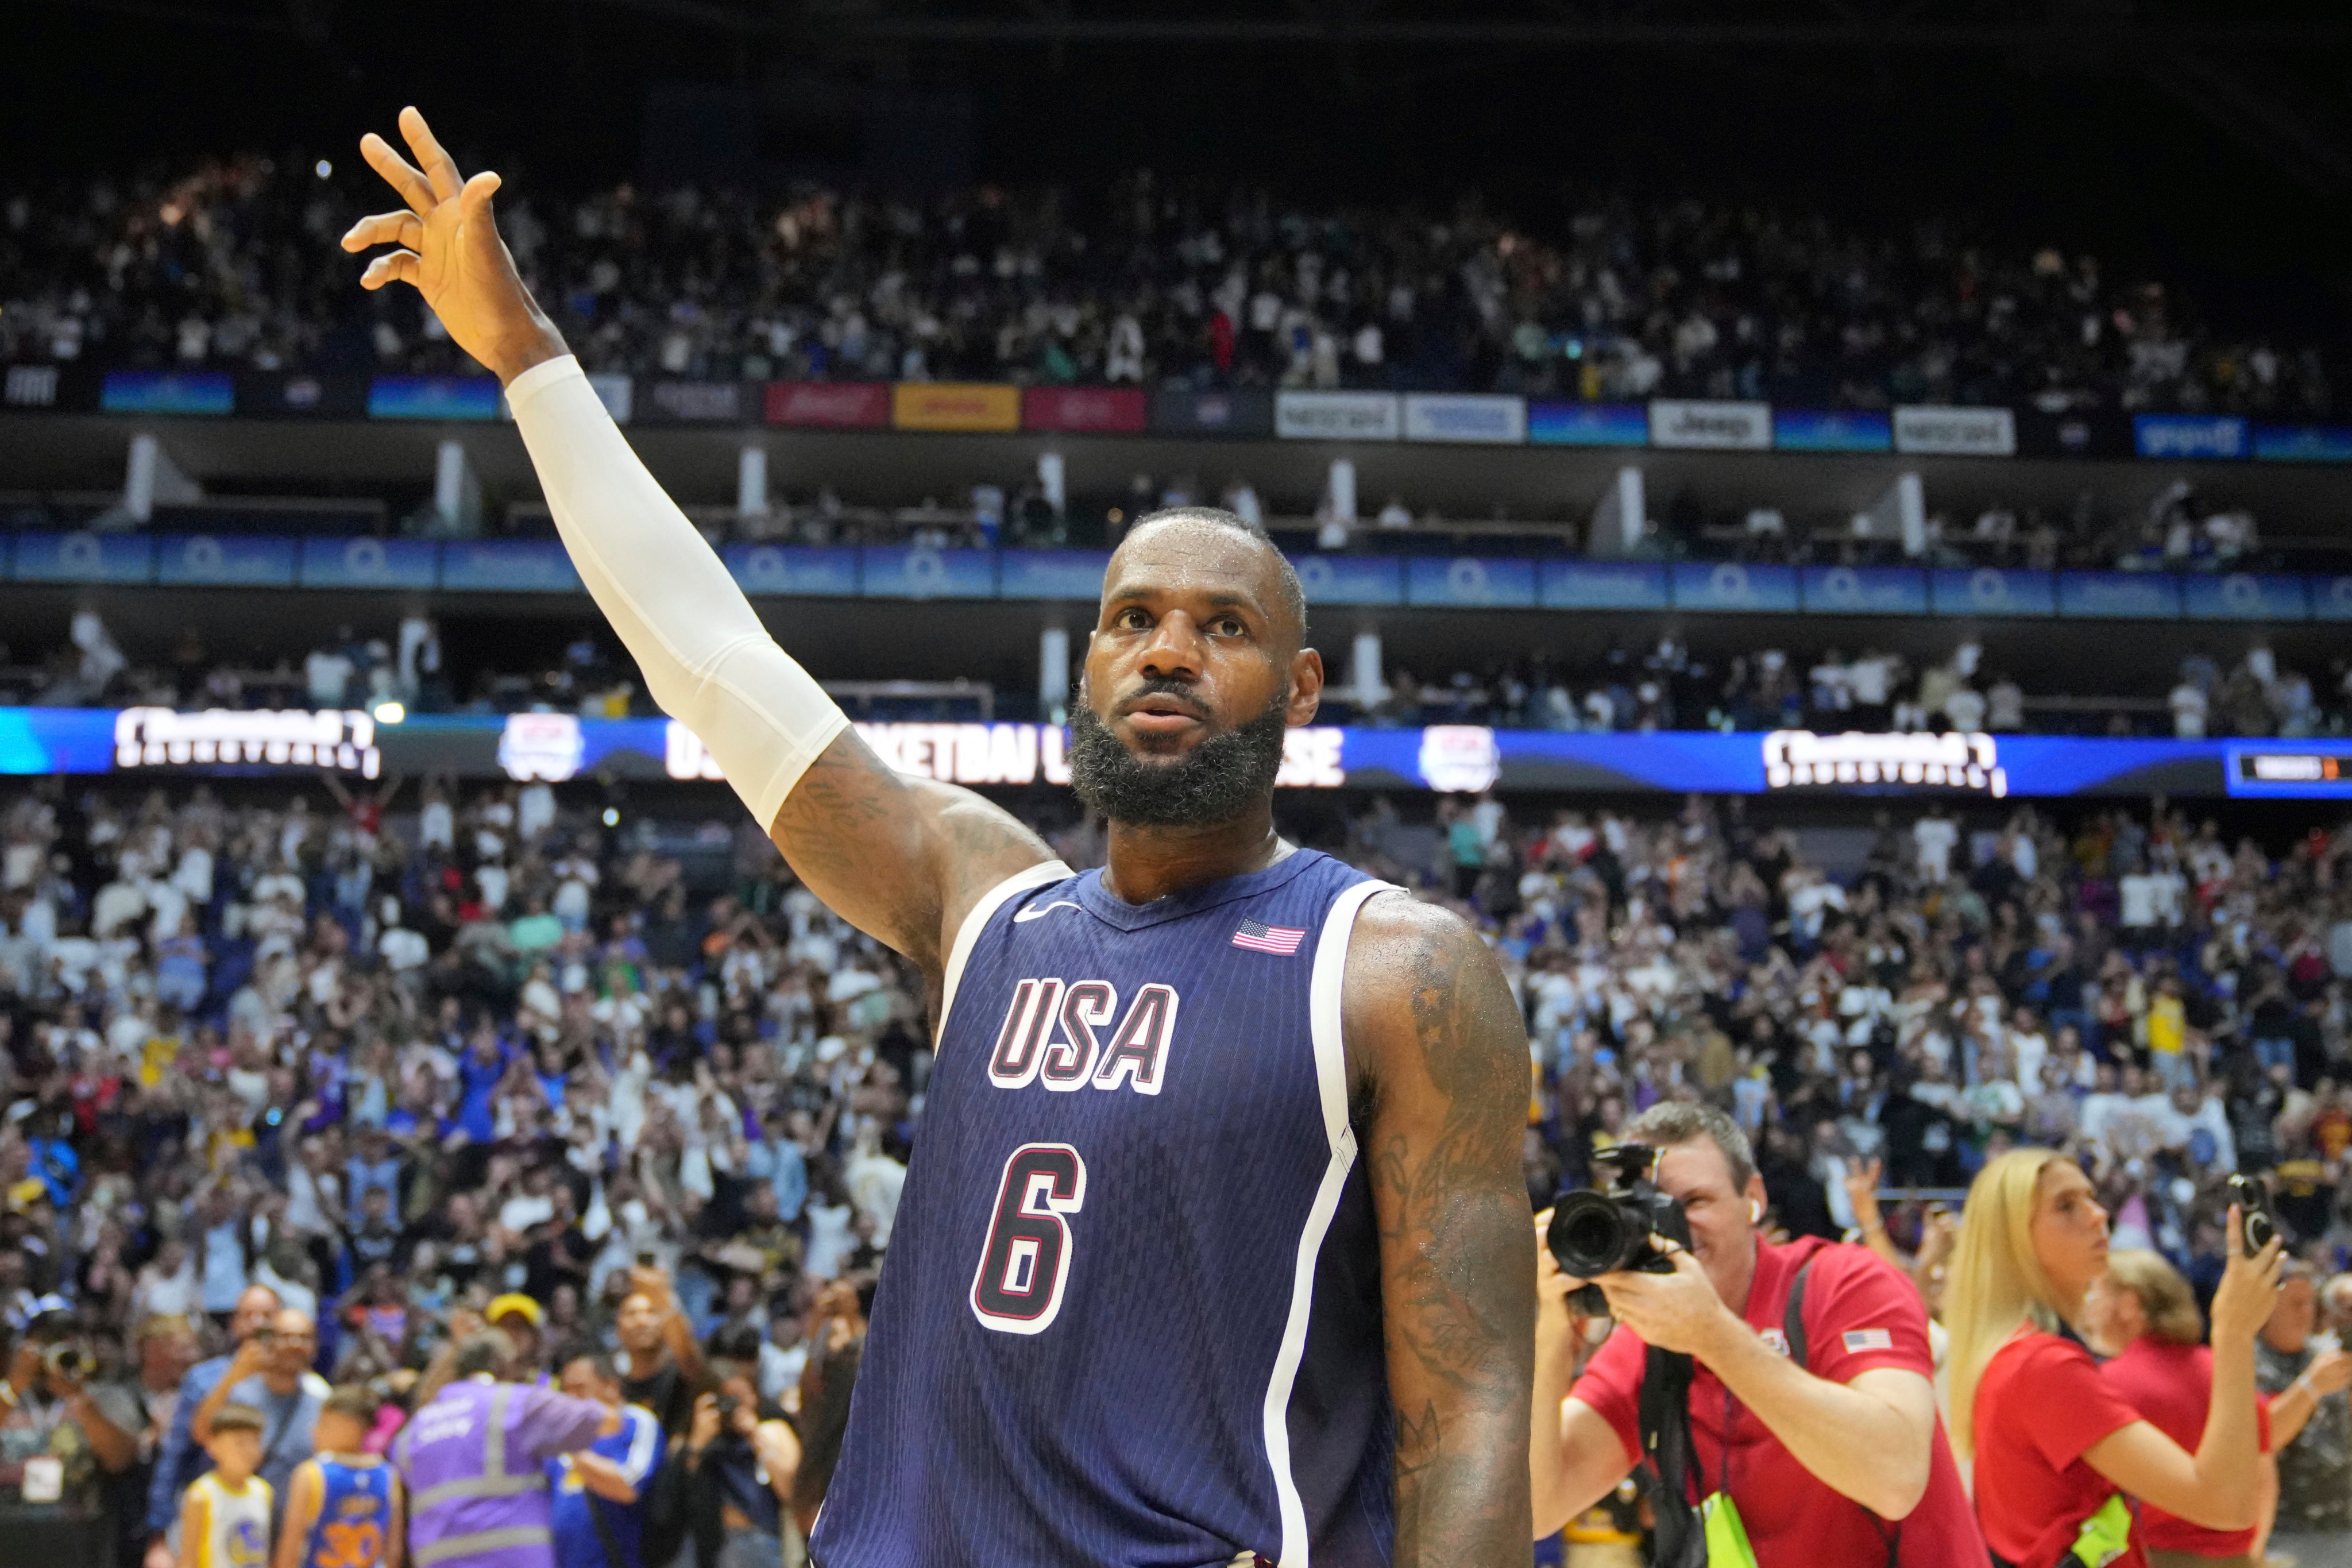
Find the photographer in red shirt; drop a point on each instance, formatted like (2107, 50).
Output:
(1841, 1463)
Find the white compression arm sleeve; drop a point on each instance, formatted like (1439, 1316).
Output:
(706, 659)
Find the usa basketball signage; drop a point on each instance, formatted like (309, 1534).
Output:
(1312, 758)
(297, 738)
(1799, 758)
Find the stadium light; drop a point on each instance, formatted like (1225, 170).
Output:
(390, 713)
(323, 168)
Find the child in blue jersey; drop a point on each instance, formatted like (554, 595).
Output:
(344, 1508)
(599, 1493)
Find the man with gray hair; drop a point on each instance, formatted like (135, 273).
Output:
(2310, 1427)
(1811, 1405)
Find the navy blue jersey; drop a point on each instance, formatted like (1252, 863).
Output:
(1131, 1312)
(354, 1522)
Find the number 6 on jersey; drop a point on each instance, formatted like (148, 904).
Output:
(1018, 1286)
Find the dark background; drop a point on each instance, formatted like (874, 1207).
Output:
(2203, 143)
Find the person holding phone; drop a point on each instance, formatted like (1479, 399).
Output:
(2058, 1451)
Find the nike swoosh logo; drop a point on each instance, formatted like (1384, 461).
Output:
(1042, 910)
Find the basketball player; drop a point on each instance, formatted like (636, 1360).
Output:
(344, 1504)
(1215, 1245)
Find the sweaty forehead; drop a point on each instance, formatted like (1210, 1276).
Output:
(1182, 558)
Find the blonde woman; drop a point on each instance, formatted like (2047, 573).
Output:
(2142, 1315)
(2057, 1451)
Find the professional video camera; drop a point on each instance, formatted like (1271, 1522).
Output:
(1600, 1230)
(70, 1359)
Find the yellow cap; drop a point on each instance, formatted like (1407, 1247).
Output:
(512, 1303)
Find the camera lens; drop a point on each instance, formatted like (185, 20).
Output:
(1590, 1234)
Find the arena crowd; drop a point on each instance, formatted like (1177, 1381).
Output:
(410, 1064)
(230, 263)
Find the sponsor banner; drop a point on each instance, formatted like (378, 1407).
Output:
(1470, 582)
(1727, 586)
(368, 564)
(1863, 590)
(167, 392)
(1114, 410)
(823, 572)
(1823, 430)
(973, 753)
(1992, 590)
(1052, 574)
(506, 566)
(2244, 596)
(1604, 585)
(697, 402)
(229, 561)
(968, 407)
(2303, 443)
(1179, 412)
(893, 573)
(2135, 595)
(1933, 431)
(1337, 417)
(829, 404)
(84, 558)
(1713, 427)
(1496, 420)
(2331, 597)
(2078, 434)
(1351, 579)
(435, 398)
(271, 395)
(1588, 424)
(2202, 436)
(63, 388)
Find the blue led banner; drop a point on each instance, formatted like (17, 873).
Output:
(369, 564)
(1603, 586)
(1351, 579)
(894, 573)
(1727, 585)
(1821, 430)
(83, 558)
(820, 571)
(167, 392)
(432, 397)
(1470, 582)
(2303, 444)
(2245, 596)
(1863, 590)
(1052, 574)
(1989, 591)
(1453, 758)
(1589, 424)
(226, 561)
(2138, 596)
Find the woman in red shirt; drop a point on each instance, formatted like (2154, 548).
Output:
(2142, 1314)
(2052, 1439)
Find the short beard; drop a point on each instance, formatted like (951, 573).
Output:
(1218, 780)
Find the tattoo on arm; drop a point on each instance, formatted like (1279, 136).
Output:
(902, 859)
(1447, 1060)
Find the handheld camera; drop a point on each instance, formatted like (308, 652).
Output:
(1600, 1230)
(2253, 1208)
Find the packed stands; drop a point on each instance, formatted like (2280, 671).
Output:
(231, 264)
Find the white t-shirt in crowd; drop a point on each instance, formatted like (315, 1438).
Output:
(1934, 836)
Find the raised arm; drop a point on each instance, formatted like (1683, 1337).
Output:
(902, 859)
(1438, 1062)
(303, 1494)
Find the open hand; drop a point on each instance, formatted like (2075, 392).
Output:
(449, 249)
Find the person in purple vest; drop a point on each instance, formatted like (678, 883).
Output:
(474, 1461)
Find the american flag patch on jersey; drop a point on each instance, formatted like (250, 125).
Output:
(1261, 937)
(1859, 1340)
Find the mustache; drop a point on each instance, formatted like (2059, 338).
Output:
(1180, 691)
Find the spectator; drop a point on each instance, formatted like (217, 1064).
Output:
(2311, 1427)
(271, 1373)
(181, 1459)
(601, 1492)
